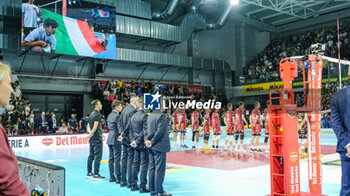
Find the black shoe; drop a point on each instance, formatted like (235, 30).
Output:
(98, 177)
(89, 175)
(128, 186)
(164, 194)
(117, 181)
(134, 188)
(123, 184)
(153, 193)
(144, 190)
(185, 146)
(112, 179)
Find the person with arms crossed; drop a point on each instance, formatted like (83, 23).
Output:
(94, 129)
(10, 183)
(115, 146)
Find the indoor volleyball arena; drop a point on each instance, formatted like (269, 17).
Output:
(174, 97)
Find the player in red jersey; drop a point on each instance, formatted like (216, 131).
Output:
(302, 131)
(239, 126)
(195, 128)
(206, 127)
(229, 119)
(267, 120)
(176, 126)
(215, 120)
(182, 127)
(254, 120)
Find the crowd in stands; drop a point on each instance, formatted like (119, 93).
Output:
(18, 117)
(265, 66)
(108, 91)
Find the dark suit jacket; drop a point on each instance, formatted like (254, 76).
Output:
(40, 122)
(138, 127)
(51, 124)
(112, 122)
(157, 131)
(340, 118)
(124, 123)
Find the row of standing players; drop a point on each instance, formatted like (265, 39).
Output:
(136, 141)
(235, 122)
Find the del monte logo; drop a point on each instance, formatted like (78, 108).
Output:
(47, 141)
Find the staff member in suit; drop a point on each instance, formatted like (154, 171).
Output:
(340, 118)
(42, 123)
(138, 128)
(10, 183)
(128, 151)
(158, 143)
(94, 128)
(115, 146)
(53, 124)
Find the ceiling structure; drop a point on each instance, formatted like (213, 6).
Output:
(278, 12)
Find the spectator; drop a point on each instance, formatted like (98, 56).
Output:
(14, 78)
(27, 108)
(53, 124)
(2, 110)
(9, 124)
(31, 119)
(83, 123)
(42, 123)
(10, 107)
(20, 107)
(73, 123)
(63, 129)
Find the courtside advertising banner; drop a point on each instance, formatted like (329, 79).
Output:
(50, 141)
(87, 29)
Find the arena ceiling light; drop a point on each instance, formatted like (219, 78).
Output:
(234, 2)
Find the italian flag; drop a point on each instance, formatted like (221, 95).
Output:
(73, 37)
(102, 14)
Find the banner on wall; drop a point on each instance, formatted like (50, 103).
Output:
(263, 87)
(50, 141)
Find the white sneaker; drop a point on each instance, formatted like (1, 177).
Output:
(226, 147)
(267, 151)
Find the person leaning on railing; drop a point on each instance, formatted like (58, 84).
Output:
(10, 183)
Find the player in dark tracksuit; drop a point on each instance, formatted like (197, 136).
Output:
(137, 129)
